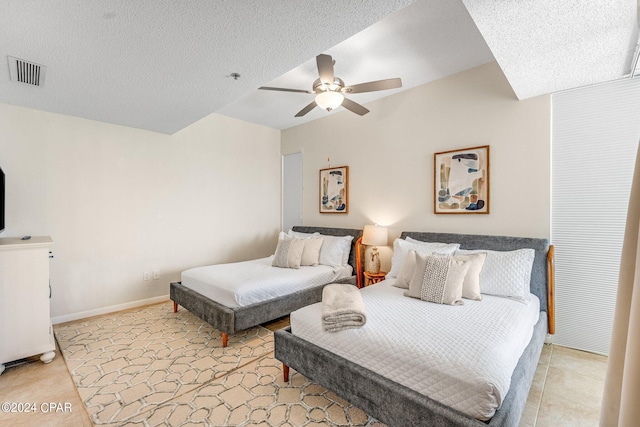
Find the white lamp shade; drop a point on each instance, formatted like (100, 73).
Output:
(329, 99)
(375, 235)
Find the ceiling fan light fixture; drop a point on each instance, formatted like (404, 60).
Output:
(330, 89)
(329, 100)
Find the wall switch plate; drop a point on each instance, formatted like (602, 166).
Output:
(146, 275)
(156, 274)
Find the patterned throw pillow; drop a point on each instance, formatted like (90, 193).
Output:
(288, 253)
(438, 279)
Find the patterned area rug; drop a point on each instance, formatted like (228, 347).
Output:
(256, 395)
(152, 367)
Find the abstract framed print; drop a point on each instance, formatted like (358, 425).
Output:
(461, 181)
(334, 190)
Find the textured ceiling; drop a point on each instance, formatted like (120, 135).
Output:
(544, 46)
(425, 41)
(162, 65)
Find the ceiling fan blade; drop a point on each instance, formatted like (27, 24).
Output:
(281, 89)
(306, 109)
(325, 68)
(354, 106)
(374, 86)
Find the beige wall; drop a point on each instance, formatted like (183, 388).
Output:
(120, 201)
(390, 156)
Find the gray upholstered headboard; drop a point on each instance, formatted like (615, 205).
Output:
(330, 231)
(539, 272)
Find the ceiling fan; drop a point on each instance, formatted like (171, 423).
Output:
(330, 90)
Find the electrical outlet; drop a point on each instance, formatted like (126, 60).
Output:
(146, 275)
(156, 274)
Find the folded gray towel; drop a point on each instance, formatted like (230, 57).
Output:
(342, 308)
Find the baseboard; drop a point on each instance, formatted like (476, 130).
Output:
(110, 309)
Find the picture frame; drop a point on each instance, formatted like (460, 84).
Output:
(334, 190)
(461, 181)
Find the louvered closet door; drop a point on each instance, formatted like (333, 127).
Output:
(595, 138)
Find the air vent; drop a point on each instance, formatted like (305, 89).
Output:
(26, 72)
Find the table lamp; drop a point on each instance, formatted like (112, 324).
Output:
(374, 235)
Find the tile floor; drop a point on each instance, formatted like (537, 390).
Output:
(39, 383)
(567, 390)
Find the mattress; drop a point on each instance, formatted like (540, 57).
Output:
(244, 283)
(462, 356)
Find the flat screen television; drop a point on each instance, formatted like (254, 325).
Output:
(1, 200)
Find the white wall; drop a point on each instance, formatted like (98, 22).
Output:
(390, 156)
(120, 201)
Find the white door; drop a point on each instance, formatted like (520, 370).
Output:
(291, 190)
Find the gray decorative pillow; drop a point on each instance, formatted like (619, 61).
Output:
(438, 279)
(288, 253)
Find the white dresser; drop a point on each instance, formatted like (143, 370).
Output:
(25, 320)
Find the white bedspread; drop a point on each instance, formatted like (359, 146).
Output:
(244, 283)
(461, 356)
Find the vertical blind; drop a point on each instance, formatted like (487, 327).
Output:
(594, 142)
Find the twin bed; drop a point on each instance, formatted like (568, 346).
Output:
(238, 296)
(476, 361)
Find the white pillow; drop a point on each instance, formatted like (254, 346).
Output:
(412, 240)
(402, 247)
(438, 278)
(406, 272)
(347, 250)
(506, 273)
(299, 235)
(331, 245)
(335, 250)
(311, 253)
(288, 252)
(471, 286)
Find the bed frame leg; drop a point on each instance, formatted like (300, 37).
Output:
(225, 339)
(175, 307)
(285, 373)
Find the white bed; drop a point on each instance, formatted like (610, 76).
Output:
(472, 377)
(388, 368)
(237, 296)
(241, 284)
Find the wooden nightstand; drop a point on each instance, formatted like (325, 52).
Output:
(372, 278)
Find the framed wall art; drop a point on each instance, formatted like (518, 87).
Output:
(461, 181)
(334, 190)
